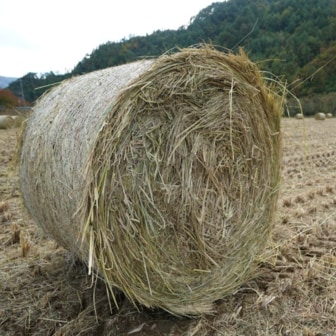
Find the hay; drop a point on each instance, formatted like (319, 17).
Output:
(320, 116)
(299, 116)
(18, 120)
(329, 115)
(161, 174)
(6, 122)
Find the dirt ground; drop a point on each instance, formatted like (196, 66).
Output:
(44, 292)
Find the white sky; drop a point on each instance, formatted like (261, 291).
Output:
(42, 36)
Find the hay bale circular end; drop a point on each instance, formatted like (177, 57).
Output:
(161, 174)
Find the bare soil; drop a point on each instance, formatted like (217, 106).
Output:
(43, 291)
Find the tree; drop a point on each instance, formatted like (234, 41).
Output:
(8, 99)
(285, 37)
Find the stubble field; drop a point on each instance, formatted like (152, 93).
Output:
(43, 291)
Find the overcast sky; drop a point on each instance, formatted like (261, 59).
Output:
(42, 36)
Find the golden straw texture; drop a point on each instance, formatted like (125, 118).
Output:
(161, 174)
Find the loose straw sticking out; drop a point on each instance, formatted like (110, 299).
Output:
(169, 166)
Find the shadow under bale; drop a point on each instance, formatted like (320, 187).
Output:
(161, 174)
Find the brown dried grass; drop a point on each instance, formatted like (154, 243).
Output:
(161, 174)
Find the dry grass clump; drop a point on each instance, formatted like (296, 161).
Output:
(161, 174)
(6, 122)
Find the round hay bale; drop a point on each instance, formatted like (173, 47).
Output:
(18, 120)
(329, 115)
(320, 116)
(161, 174)
(6, 121)
(299, 116)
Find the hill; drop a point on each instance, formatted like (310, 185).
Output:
(289, 34)
(292, 39)
(5, 81)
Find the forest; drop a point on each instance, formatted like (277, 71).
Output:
(291, 40)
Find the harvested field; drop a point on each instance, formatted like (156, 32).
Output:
(43, 291)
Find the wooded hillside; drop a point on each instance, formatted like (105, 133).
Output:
(293, 39)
